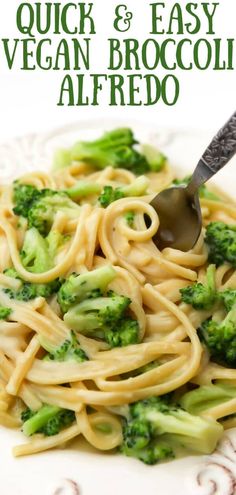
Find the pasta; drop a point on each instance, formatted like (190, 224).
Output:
(169, 345)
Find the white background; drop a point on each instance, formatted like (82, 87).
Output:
(28, 99)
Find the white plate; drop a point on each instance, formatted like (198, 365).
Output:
(83, 471)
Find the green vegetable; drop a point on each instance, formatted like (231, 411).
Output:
(24, 196)
(54, 241)
(108, 195)
(104, 318)
(201, 296)
(70, 350)
(155, 158)
(137, 188)
(62, 159)
(4, 312)
(79, 287)
(154, 426)
(228, 297)
(41, 206)
(221, 241)
(206, 397)
(125, 332)
(88, 310)
(203, 190)
(220, 338)
(42, 212)
(35, 252)
(49, 420)
(155, 451)
(29, 291)
(114, 148)
(93, 314)
(129, 217)
(83, 188)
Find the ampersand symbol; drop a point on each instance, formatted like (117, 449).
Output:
(123, 18)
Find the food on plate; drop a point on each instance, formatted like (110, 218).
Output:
(101, 333)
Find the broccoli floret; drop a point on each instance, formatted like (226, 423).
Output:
(49, 420)
(115, 148)
(4, 312)
(156, 420)
(11, 272)
(29, 291)
(44, 208)
(88, 310)
(220, 338)
(40, 206)
(94, 314)
(228, 297)
(88, 285)
(24, 196)
(108, 195)
(35, 252)
(125, 333)
(70, 350)
(26, 292)
(27, 414)
(203, 190)
(137, 188)
(155, 158)
(129, 217)
(221, 241)
(154, 452)
(104, 318)
(206, 397)
(83, 188)
(201, 296)
(62, 159)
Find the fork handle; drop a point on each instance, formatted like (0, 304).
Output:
(221, 149)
